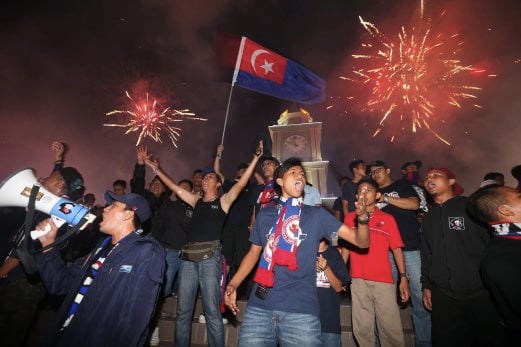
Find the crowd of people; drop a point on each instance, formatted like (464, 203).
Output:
(388, 242)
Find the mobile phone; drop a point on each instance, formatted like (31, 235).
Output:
(262, 292)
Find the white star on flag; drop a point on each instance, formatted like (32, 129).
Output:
(268, 67)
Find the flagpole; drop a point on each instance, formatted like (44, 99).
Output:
(234, 79)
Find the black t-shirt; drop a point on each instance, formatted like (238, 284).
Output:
(349, 195)
(406, 219)
(171, 224)
(241, 209)
(207, 221)
(328, 298)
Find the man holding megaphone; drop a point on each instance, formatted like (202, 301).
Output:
(20, 290)
(112, 292)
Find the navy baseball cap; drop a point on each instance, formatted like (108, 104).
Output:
(134, 201)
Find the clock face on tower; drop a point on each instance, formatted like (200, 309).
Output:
(296, 144)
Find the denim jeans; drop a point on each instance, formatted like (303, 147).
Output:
(421, 318)
(173, 262)
(331, 340)
(207, 275)
(263, 328)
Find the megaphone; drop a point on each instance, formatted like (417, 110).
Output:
(16, 189)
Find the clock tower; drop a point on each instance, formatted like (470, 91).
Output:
(296, 135)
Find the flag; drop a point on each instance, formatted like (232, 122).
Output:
(264, 71)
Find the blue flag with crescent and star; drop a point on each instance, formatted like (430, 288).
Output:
(264, 71)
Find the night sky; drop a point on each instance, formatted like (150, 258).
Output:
(65, 64)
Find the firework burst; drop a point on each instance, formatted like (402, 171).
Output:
(413, 76)
(151, 120)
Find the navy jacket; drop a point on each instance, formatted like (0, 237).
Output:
(120, 301)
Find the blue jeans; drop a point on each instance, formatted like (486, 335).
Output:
(173, 262)
(263, 328)
(206, 275)
(421, 318)
(331, 340)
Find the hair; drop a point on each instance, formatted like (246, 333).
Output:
(184, 180)
(136, 222)
(344, 178)
(354, 164)
(493, 176)
(120, 182)
(484, 202)
(197, 171)
(282, 169)
(369, 180)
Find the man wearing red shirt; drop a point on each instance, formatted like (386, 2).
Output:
(372, 288)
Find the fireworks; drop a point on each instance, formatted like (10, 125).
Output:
(151, 120)
(413, 76)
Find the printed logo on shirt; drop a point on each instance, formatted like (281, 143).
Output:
(291, 231)
(215, 207)
(125, 268)
(322, 280)
(456, 223)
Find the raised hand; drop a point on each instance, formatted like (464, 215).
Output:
(360, 204)
(260, 149)
(142, 154)
(220, 150)
(59, 150)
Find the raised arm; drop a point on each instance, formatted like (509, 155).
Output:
(137, 183)
(228, 198)
(407, 203)
(217, 162)
(183, 194)
(359, 236)
(59, 154)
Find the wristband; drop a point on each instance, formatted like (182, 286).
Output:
(363, 221)
(386, 198)
(404, 274)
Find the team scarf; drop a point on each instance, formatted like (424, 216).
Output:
(268, 196)
(282, 245)
(100, 255)
(508, 230)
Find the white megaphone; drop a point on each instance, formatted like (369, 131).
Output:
(16, 189)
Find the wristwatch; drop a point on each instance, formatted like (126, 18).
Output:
(404, 274)
(386, 198)
(363, 221)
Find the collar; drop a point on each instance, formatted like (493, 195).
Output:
(506, 229)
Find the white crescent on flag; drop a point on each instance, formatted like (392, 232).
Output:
(254, 57)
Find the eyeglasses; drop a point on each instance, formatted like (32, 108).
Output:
(377, 170)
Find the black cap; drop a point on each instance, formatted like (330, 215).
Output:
(418, 164)
(73, 179)
(516, 172)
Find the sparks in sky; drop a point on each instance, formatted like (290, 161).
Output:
(412, 76)
(151, 120)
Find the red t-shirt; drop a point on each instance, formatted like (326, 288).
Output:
(373, 264)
